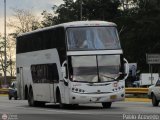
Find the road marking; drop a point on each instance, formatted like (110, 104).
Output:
(57, 111)
(61, 111)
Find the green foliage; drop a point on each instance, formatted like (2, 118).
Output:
(91, 10)
(141, 32)
(100, 9)
(24, 21)
(138, 23)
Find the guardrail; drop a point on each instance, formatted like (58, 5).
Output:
(136, 90)
(4, 91)
(127, 90)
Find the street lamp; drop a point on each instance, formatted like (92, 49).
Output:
(5, 53)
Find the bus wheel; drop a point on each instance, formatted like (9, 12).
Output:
(106, 104)
(39, 104)
(31, 101)
(15, 98)
(73, 106)
(61, 105)
(9, 97)
(155, 102)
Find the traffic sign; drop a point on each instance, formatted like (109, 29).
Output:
(153, 58)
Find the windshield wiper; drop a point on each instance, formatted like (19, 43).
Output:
(109, 77)
(120, 76)
(116, 78)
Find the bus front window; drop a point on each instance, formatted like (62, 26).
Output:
(92, 38)
(84, 68)
(97, 68)
(109, 67)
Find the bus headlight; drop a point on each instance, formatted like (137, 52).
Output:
(118, 88)
(115, 84)
(78, 90)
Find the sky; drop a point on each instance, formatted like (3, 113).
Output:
(37, 7)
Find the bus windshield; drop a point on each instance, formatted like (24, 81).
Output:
(96, 68)
(92, 38)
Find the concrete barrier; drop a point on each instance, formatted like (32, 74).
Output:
(136, 90)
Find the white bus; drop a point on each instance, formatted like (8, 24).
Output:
(71, 63)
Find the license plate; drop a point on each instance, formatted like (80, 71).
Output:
(113, 97)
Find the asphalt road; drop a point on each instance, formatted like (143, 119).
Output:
(19, 110)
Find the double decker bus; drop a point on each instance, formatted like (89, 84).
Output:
(71, 63)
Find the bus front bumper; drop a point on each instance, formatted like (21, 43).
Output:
(77, 98)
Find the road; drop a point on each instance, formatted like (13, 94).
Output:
(19, 110)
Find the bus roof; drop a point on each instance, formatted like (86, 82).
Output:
(73, 24)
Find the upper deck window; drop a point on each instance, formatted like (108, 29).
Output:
(93, 38)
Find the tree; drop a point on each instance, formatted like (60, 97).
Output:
(92, 10)
(101, 9)
(11, 51)
(140, 34)
(64, 13)
(23, 21)
(10, 66)
(137, 21)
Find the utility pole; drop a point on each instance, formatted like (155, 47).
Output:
(5, 52)
(81, 10)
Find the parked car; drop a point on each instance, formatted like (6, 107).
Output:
(154, 93)
(12, 91)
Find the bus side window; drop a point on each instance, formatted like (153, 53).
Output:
(45, 73)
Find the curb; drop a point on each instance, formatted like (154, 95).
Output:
(3, 94)
(137, 100)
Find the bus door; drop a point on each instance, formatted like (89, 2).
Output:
(54, 75)
(64, 83)
(21, 83)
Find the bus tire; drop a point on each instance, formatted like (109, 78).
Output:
(15, 98)
(106, 104)
(61, 105)
(73, 106)
(39, 104)
(9, 97)
(155, 102)
(58, 96)
(31, 101)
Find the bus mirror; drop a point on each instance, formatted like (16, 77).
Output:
(126, 68)
(64, 75)
(63, 72)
